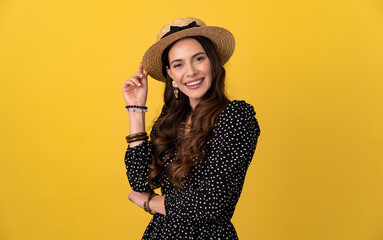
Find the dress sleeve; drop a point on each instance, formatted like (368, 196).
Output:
(137, 160)
(226, 167)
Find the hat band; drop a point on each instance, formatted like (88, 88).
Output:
(174, 29)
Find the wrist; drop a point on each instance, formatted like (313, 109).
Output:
(138, 103)
(147, 203)
(157, 204)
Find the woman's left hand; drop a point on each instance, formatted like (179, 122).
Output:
(138, 198)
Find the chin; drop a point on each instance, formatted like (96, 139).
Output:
(196, 95)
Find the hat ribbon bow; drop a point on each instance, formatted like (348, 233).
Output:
(174, 29)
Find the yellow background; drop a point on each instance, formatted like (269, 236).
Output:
(312, 69)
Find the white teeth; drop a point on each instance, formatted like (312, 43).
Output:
(193, 83)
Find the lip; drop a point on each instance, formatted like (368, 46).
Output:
(194, 80)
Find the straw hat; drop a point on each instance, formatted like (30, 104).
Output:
(183, 27)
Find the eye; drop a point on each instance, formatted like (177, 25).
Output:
(177, 65)
(200, 58)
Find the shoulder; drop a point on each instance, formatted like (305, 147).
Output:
(237, 110)
(236, 123)
(237, 116)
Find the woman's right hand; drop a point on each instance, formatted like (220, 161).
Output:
(135, 90)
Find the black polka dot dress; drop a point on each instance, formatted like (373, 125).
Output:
(205, 208)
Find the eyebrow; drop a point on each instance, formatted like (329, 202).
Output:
(177, 60)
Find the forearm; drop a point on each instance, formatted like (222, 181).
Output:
(135, 92)
(136, 125)
(157, 204)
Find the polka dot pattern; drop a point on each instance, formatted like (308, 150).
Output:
(204, 209)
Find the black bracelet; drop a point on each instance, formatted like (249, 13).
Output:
(135, 106)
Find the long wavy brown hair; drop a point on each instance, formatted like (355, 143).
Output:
(168, 135)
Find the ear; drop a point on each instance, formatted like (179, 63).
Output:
(169, 71)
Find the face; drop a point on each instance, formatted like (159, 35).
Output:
(190, 68)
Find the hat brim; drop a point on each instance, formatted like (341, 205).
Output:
(222, 38)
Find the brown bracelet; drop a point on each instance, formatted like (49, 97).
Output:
(137, 139)
(146, 203)
(136, 135)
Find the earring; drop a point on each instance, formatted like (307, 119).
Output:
(175, 90)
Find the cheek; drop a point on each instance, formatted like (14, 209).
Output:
(177, 75)
(207, 69)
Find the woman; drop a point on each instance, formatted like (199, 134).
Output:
(201, 144)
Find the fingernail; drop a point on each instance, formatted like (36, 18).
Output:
(139, 84)
(141, 75)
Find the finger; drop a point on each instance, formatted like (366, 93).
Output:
(140, 68)
(135, 81)
(138, 75)
(144, 80)
(128, 85)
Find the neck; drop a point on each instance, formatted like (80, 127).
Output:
(193, 103)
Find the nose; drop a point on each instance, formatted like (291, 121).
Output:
(191, 70)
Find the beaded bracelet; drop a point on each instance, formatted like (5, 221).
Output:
(136, 106)
(136, 110)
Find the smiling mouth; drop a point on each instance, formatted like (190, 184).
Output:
(194, 82)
